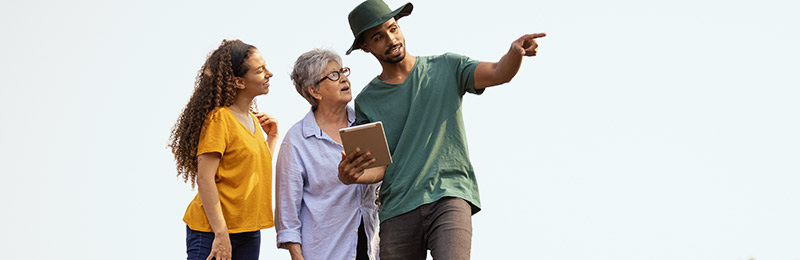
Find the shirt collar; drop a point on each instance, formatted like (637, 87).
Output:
(310, 127)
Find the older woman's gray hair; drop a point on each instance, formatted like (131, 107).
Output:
(309, 69)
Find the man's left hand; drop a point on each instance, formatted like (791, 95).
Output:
(526, 45)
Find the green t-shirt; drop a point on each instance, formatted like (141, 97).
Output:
(425, 131)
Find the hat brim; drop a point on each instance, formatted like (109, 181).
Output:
(397, 14)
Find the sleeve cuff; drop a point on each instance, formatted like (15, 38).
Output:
(288, 236)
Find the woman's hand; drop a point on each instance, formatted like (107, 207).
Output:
(295, 251)
(221, 247)
(270, 126)
(268, 123)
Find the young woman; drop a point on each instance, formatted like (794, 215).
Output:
(218, 146)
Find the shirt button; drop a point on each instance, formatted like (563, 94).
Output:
(354, 255)
(361, 206)
(356, 230)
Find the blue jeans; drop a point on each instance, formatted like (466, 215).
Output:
(245, 245)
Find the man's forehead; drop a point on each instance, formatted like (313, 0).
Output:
(382, 26)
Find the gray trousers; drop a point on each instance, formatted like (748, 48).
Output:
(444, 227)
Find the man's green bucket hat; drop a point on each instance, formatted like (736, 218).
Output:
(372, 13)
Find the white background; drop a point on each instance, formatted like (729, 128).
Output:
(643, 130)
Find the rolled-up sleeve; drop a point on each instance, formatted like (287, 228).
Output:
(288, 195)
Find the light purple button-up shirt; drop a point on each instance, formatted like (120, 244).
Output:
(313, 207)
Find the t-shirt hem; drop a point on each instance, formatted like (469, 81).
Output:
(232, 230)
(474, 204)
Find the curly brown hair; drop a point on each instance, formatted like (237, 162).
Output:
(214, 87)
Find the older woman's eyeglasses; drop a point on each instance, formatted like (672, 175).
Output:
(335, 75)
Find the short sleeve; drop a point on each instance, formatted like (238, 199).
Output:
(361, 117)
(213, 136)
(465, 69)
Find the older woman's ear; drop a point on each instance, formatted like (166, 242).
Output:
(314, 92)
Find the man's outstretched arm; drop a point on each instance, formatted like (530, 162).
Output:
(489, 74)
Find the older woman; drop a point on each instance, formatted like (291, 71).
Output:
(318, 217)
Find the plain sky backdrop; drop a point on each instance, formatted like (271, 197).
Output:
(643, 130)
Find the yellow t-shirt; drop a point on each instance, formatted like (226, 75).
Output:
(244, 176)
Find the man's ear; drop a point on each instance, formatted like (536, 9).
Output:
(365, 48)
(238, 82)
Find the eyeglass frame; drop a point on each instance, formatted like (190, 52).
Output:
(344, 70)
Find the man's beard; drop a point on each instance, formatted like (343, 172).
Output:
(386, 58)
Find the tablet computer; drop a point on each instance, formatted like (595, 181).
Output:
(370, 138)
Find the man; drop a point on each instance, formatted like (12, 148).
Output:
(429, 192)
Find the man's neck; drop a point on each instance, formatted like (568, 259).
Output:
(396, 73)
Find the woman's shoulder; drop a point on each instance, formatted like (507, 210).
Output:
(294, 135)
(218, 117)
(218, 113)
